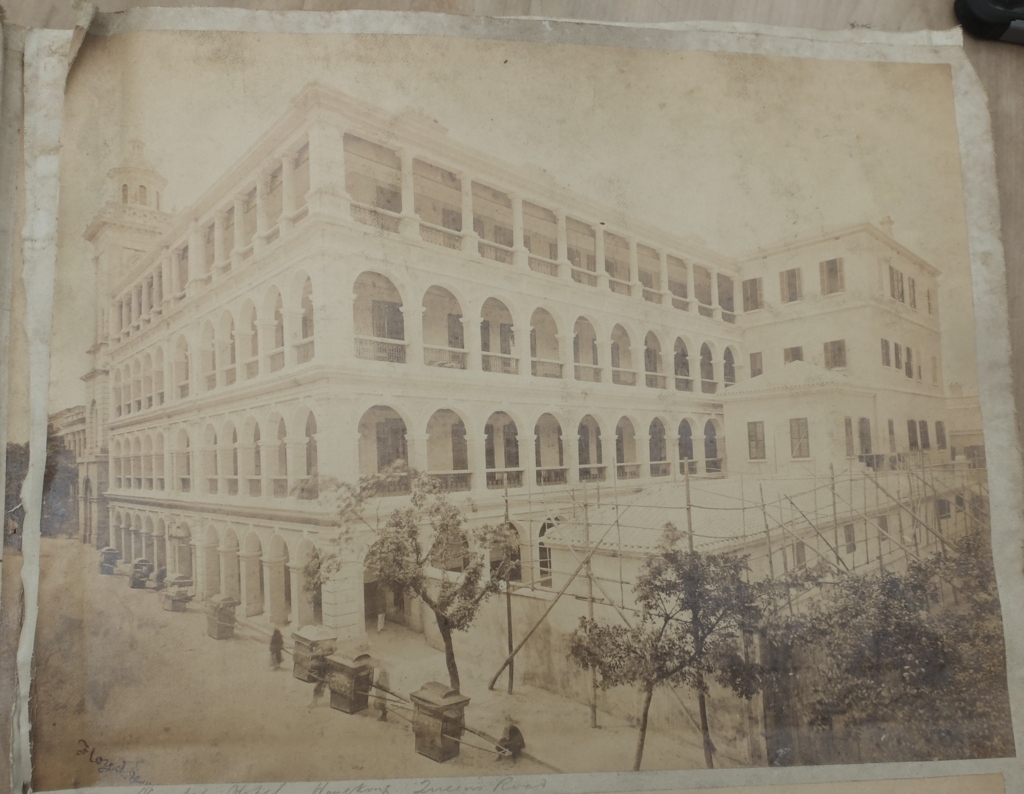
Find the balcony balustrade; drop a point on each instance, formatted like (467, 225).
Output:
(376, 217)
(230, 375)
(588, 372)
(552, 475)
(619, 287)
(280, 487)
(276, 360)
(593, 473)
(252, 368)
(623, 377)
(445, 357)
(304, 351)
(232, 485)
(628, 471)
(660, 468)
(500, 478)
(729, 317)
(387, 350)
(709, 387)
(686, 463)
(656, 380)
(545, 266)
(705, 311)
(185, 484)
(211, 485)
(581, 276)
(542, 368)
(438, 235)
(652, 295)
(452, 481)
(495, 252)
(683, 383)
(714, 465)
(501, 363)
(255, 486)
(680, 303)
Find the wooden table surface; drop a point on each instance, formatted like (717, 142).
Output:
(1000, 66)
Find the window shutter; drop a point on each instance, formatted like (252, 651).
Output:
(823, 273)
(840, 275)
(783, 292)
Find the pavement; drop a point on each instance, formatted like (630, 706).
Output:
(125, 692)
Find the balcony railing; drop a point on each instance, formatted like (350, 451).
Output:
(628, 471)
(552, 475)
(255, 486)
(229, 376)
(308, 488)
(375, 217)
(588, 372)
(232, 485)
(624, 377)
(159, 483)
(660, 468)
(581, 276)
(705, 311)
(495, 252)
(709, 386)
(545, 266)
(446, 357)
(438, 235)
(159, 398)
(592, 473)
(395, 484)
(380, 349)
(684, 383)
(185, 484)
(680, 303)
(652, 295)
(543, 368)
(304, 351)
(729, 317)
(683, 464)
(211, 381)
(499, 478)
(499, 362)
(714, 465)
(252, 368)
(211, 485)
(619, 287)
(452, 481)
(277, 360)
(280, 485)
(656, 380)
(183, 390)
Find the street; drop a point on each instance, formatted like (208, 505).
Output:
(125, 692)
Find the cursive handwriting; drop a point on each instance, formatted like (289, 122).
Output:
(118, 767)
(359, 788)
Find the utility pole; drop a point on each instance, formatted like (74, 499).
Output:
(590, 609)
(508, 595)
(689, 509)
(835, 512)
(767, 534)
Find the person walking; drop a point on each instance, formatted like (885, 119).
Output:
(380, 693)
(276, 649)
(319, 671)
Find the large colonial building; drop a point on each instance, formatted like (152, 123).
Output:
(359, 290)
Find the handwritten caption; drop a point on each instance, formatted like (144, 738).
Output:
(504, 785)
(116, 766)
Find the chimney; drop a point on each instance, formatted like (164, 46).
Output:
(886, 225)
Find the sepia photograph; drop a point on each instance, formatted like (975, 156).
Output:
(533, 409)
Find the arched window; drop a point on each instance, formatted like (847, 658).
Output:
(306, 348)
(181, 367)
(728, 368)
(124, 194)
(712, 462)
(310, 488)
(211, 463)
(256, 470)
(864, 432)
(686, 462)
(277, 354)
(142, 194)
(707, 371)
(281, 474)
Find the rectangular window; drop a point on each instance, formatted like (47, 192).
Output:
(928, 297)
(756, 367)
(753, 294)
(726, 294)
(831, 276)
(835, 354)
(800, 554)
(896, 284)
(791, 354)
(388, 322)
(940, 435)
(850, 452)
(897, 355)
(883, 526)
(892, 436)
(942, 508)
(503, 236)
(912, 290)
(755, 440)
(935, 371)
(799, 440)
(455, 337)
(912, 434)
(909, 368)
(506, 339)
(923, 433)
(886, 358)
(790, 286)
(850, 536)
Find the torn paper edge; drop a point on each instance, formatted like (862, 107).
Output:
(46, 69)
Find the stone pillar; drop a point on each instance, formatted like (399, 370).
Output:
(520, 256)
(302, 602)
(602, 270)
(292, 331)
(564, 266)
(230, 573)
(409, 223)
(259, 240)
(666, 293)
(265, 329)
(469, 236)
(636, 288)
(273, 586)
(691, 295)
(196, 257)
(287, 191)
(716, 310)
(527, 442)
(167, 291)
(249, 584)
(328, 194)
(413, 317)
(417, 447)
(342, 599)
(571, 456)
(211, 571)
(220, 256)
(239, 241)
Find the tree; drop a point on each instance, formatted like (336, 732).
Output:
(693, 610)
(889, 656)
(422, 549)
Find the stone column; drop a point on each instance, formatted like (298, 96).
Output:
(666, 293)
(287, 191)
(211, 570)
(292, 333)
(239, 241)
(716, 310)
(413, 317)
(342, 598)
(469, 236)
(520, 256)
(636, 288)
(527, 442)
(273, 585)
(196, 257)
(302, 602)
(599, 257)
(220, 256)
(691, 294)
(259, 240)
(417, 447)
(571, 455)
(564, 266)
(328, 194)
(249, 584)
(167, 290)
(265, 329)
(409, 224)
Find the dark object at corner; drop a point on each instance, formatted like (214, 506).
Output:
(992, 19)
